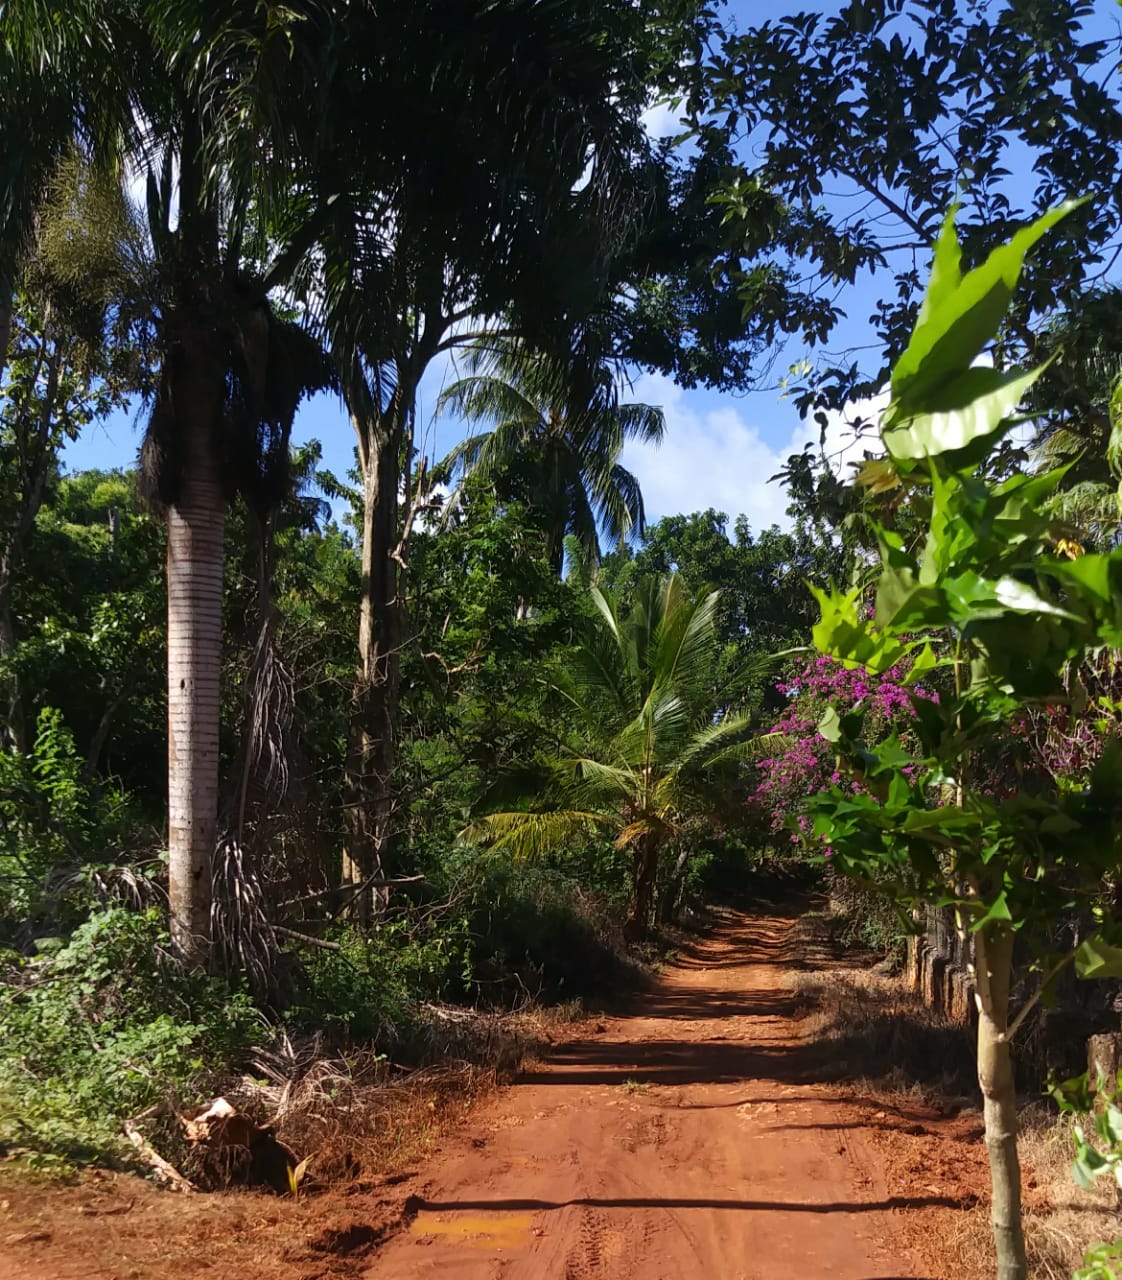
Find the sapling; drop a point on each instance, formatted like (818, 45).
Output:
(993, 603)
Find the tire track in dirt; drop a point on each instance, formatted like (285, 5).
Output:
(693, 1137)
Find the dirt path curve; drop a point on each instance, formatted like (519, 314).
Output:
(686, 1140)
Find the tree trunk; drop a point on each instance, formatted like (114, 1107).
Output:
(994, 964)
(373, 717)
(644, 871)
(14, 736)
(6, 292)
(672, 898)
(36, 453)
(194, 587)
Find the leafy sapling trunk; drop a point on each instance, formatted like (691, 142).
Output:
(985, 599)
(993, 977)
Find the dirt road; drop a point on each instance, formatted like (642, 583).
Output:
(686, 1140)
(694, 1137)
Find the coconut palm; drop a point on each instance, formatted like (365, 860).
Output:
(1076, 406)
(648, 756)
(550, 444)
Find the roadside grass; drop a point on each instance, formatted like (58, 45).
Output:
(1061, 1221)
(870, 1027)
(872, 1031)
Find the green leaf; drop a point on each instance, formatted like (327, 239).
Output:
(948, 818)
(960, 422)
(830, 725)
(844, 635)
(1021, 598)
(1096, 958)
(960, 314)
(998, 910)
(923, 662)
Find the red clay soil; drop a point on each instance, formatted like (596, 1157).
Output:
(695, 1137)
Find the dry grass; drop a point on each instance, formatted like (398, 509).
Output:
(1061, 1221)
(878, 1034)
(871, 1028)
(363, 1116)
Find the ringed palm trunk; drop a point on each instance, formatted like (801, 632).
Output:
(994, 967)
(194, 589)
(371, 747)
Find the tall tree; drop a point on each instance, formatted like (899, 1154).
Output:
(867, 125)
(561, 457)
(205, 101)
(71, 358)
(429, 241)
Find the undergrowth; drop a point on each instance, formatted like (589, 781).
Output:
(101, 1029)
(107, 1024)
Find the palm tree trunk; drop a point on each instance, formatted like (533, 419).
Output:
(371, 748)
(644, 871)
(994, 967)
(671, 899)
(194, 586)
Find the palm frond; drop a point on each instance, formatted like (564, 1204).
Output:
(489, 399)
(530, 835)
(650, 827)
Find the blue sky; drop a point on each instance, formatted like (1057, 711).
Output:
(720, 449)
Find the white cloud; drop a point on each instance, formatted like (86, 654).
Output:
(714, 456)
(711, 457)
(851, 432)
(661, 120)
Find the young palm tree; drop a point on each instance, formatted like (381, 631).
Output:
(649, 755)
(560, 454)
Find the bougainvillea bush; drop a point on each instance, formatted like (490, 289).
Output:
(783, 783)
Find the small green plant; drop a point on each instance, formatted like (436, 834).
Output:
(635, 1086)
(1075, 1097)
(1101, 1262)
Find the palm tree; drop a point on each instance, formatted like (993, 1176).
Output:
(1076, 404)
(549, 444)
(648, 756)
(61, 78)
(206, 101)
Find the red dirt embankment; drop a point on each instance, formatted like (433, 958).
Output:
(692, 1138)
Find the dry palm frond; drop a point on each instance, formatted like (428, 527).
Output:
(242, 929)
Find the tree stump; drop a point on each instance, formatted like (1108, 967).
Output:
(1104, 1059)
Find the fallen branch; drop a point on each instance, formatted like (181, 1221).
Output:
(165, 1172)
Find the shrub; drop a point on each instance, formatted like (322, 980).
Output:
(104, 1027)
(51, 819)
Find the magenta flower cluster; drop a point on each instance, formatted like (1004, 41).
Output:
(806, 765)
